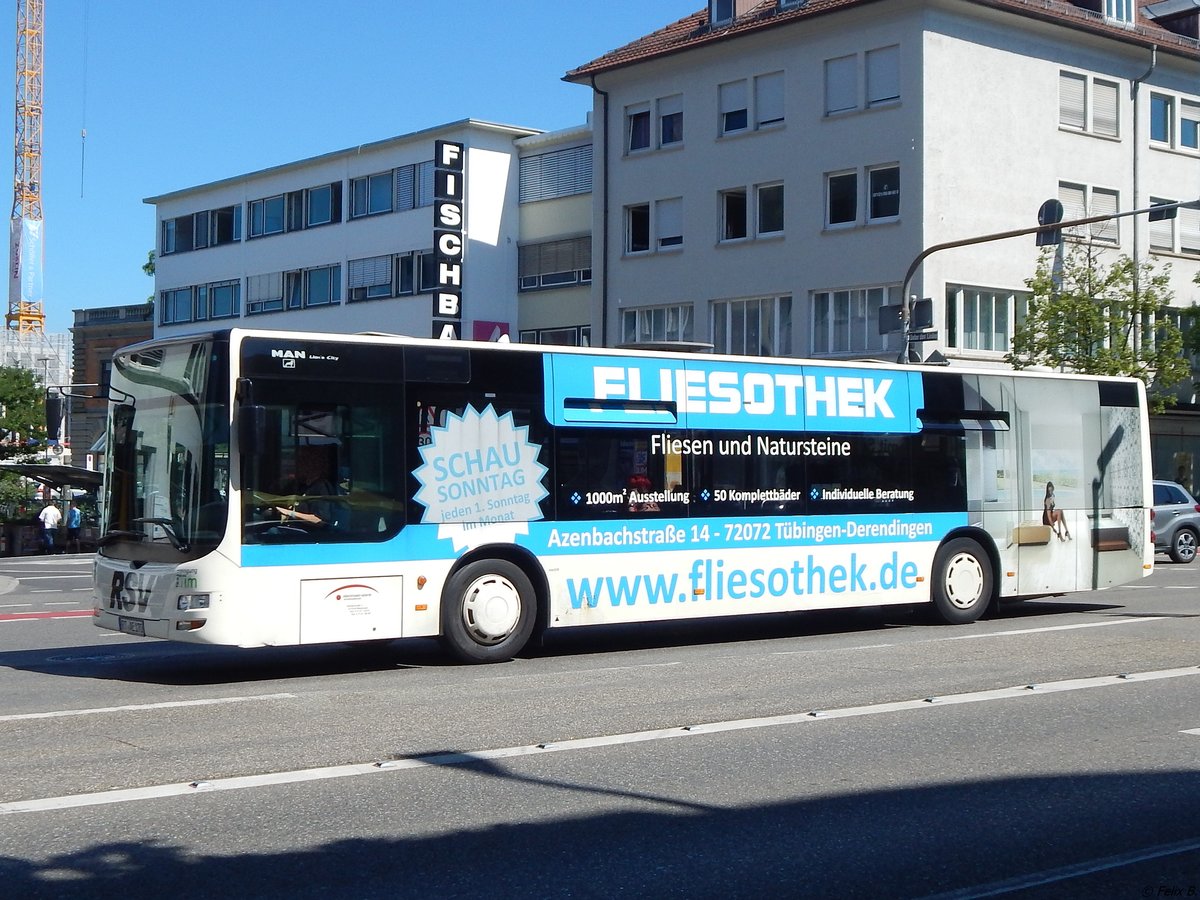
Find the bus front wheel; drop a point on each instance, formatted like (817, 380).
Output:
(488, 611)
(962, 581)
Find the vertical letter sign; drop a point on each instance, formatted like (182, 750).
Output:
(448, 172)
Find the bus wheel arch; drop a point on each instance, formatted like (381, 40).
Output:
(492, 604)
(963, 582)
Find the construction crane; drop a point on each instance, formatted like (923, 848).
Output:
(25, 313)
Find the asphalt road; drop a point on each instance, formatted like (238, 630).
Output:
(1052, 751)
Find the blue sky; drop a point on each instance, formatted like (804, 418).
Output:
(177, 94)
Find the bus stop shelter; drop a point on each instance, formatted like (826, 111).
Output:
(17, 539)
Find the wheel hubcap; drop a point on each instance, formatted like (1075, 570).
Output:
(491, 609)
(1186, 545)
(964, 581)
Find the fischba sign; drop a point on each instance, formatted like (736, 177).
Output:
(449, 173)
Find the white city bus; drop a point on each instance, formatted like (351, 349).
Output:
(484, 492)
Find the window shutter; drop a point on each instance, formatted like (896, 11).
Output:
(1162, 232)
(264, 287)
(1104, 203)
(1072, 91)
(883, 75)
(768, 98)
(405, 192)
(1104, 108)
(733, 101)
(1189, 230)
(561, 173)
(1074, 206)
(425, 183)
(370, 271)
(670, 222)
(841, 84)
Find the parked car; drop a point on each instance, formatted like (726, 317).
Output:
(1175, 521)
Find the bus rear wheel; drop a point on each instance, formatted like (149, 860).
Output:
(962, 581)
(488, 611)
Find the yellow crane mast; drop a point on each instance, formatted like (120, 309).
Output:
(25, 261)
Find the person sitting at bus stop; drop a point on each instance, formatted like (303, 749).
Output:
(50, 518)
(74, 524)
(313, 480)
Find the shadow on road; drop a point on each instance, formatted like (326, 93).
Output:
(904, 843)
(161, 662)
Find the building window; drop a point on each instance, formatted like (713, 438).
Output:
(877, 85)
(983, 319)
(371, 194)
(426, 272)
(560, 173)
(1089, 105)
(1178, 235)
(758, 327)
(578, 336)
(720, 11)
(414, 186)
(768, 100)
(659, 323)
(224, 300)
(670, 120)
(841, 84)
(208, 228)
(1082, 201)
(668, 223)
(1162, 119)
(323, 205)
(323, 286)
(770, 209)
(637, 228)
(176, 306)
(1119, 10)
(369, 278)
(841, 191)
(734, 115)
(264, 293)
(883, 75)
(1189, 125)
(637, 129)
(847, 321)
(733, 215)
(266, 216)
(553, 264)
(884, 186)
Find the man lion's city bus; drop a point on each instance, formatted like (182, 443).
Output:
(481, 493)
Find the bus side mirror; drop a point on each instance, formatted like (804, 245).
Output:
(253, 426)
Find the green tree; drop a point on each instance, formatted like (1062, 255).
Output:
(22, 413)
(1095, 319)
(149, 269)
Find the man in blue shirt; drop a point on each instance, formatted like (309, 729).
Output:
(74, 522)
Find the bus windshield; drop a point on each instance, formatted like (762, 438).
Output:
(167, 466)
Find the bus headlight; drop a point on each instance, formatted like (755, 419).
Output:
(193, 601)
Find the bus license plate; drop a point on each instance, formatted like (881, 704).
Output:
(132, 626)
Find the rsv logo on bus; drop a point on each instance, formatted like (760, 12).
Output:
(709, 393)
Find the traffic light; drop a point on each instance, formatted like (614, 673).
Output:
(54, 415)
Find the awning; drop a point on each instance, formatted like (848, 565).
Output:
(56, 476)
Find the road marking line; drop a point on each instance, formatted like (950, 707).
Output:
(58, 614)
(995, 634)
(1195, 731)
(14, 605)
(1079, 870)
(46, 577)
(296, 776)
(137, 707)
